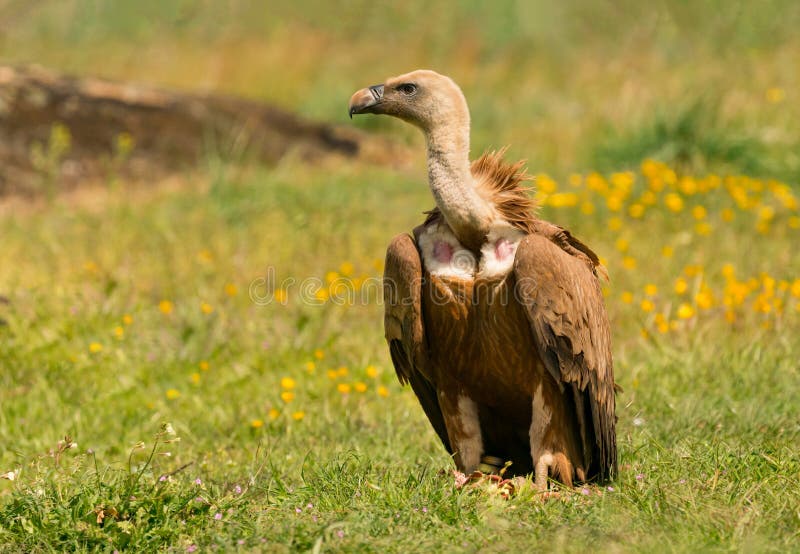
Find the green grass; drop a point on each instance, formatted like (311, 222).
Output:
(708, 430)
(708, 427)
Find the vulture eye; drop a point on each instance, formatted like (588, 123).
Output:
(407, 88)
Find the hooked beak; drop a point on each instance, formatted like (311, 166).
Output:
(365, 100)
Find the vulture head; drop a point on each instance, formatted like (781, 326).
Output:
(423, 98)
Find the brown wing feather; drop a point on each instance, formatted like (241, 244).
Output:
(402, 283)
(562, 297)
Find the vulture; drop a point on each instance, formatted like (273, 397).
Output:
(493, 316)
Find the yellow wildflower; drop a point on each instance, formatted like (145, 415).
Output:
(281, 296)
(596, 182)
(685, 311)
(545, 184)
(172, 394)
(311, 366)
(319, 354)
(762, 304)
(127, 319)
(766, 213)
(794, 289)
(636, 211)
(769, 282)
(674, 202)
(667, 251)
(687, 185)
(650, 289)
(166, 307)
(587, 208)
(699, 212)
(256, 423)
(621, 244)
(195, 378)
(703, 228)
(775, 95)
(627, 297)
(231, 289)
(727, 215)
(661, 323)
(287, 383)
(298, 416)
(95, 347)
(681, 286)
(647, 305)
(203, 365)
(614, 202)
(383, 391)
(728, 271)
(360, 386)
(119, 331)
(615, 224)
(704, 299)
(692, 270)
(206, 308)
(342, 371)
(343, 388)
(629, 262)
(273, 414)
(322, 294)
(648, 198)
(287, 396)
(332, 374)
(563, 200)
(622, 180)
(372, 371)
(346, 269)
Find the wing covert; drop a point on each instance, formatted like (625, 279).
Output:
(403, 325)
(562, 297)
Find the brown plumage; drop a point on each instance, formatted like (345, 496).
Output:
(493, 316)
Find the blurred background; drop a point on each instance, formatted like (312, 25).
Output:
(575, 85)
(161, 161)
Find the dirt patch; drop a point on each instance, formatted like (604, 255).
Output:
(58, 131)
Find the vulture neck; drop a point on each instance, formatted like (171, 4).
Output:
(453, 186)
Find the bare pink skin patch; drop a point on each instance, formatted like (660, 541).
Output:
(503, 248)
(442, 251)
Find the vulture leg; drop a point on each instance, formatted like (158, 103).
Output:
(463, 429)
(554, 436)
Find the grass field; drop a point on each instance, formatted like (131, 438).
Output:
(137, 317)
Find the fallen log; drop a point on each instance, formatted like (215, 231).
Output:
(57, 131)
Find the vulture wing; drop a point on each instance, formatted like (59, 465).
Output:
(558, 287)
(402, 284)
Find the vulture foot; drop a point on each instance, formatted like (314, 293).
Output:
(549, 464)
